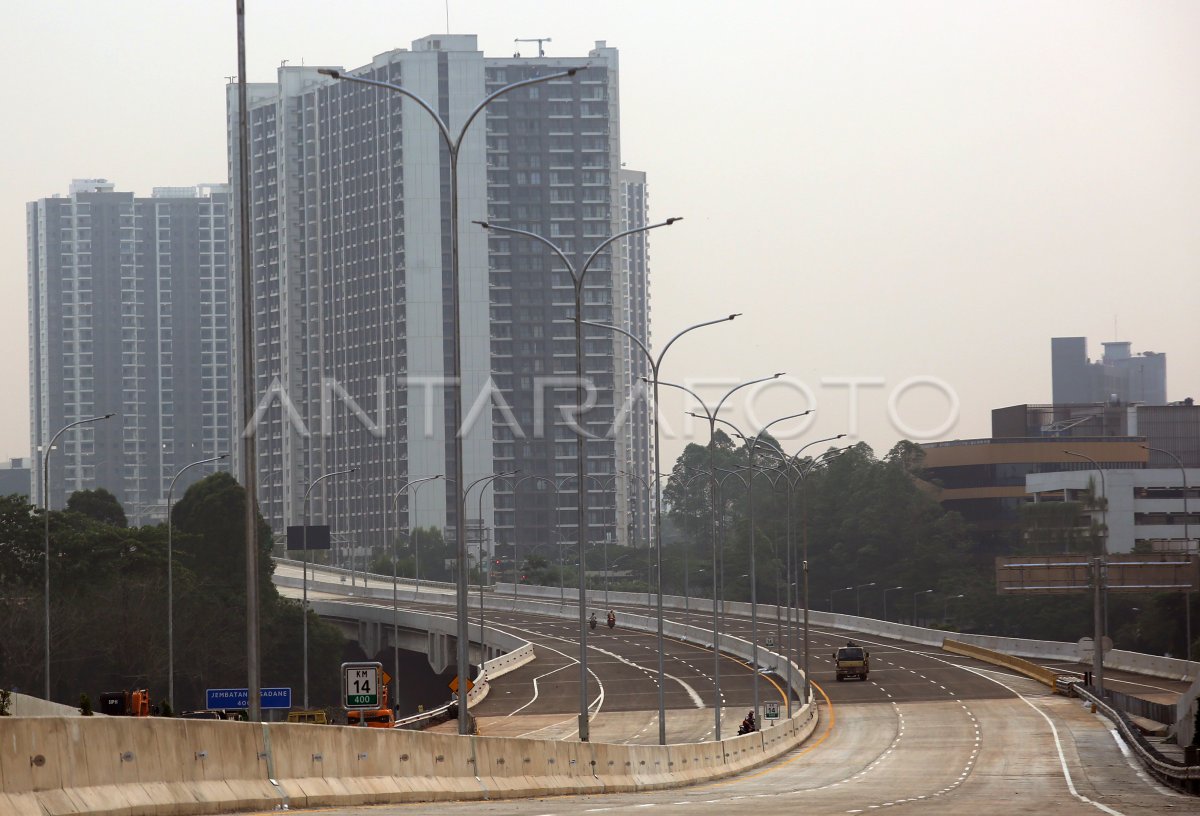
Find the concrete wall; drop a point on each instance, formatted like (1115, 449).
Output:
(151, 766)
(22, 705)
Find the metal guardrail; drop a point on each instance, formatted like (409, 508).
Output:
(1171, 771)
(1137, 707)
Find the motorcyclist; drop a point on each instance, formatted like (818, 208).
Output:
(612, 619)
(592, 621)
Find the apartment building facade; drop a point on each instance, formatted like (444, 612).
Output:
(128, 314)
(353, 334)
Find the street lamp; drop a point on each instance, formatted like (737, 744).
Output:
(946, 607)
(718, 565)
(885, 592)
(858, 598)
(843, 589)
(1187, 545)
(751, 446)
(484, 481)
(171, 579)
(46, 521)
(304, 601)
(801, 478)
(1098, 582)
(1103, 502)
(577, 279)
(453, 146)
(415, 486)
(915, 595)
(655, 364)
(517, 562)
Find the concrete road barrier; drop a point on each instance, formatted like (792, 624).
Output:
(1017, 664)
(152, 766)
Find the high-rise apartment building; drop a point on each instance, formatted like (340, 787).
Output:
(1120, 376)
(129, 314)
(353, 337)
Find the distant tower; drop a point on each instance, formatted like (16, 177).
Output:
(1121, 375)
(129, 313)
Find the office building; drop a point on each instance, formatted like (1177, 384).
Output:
(15, 475)
(1144, 511)
(353, 342)
(129, 314)
(1119, 376)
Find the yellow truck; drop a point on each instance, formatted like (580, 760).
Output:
(852, 660)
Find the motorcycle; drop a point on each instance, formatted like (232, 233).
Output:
(592, 622)
(612, 622)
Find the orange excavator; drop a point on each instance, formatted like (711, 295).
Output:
(381, 717)
(125, 703)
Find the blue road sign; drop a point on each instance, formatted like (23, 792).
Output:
(240, 698)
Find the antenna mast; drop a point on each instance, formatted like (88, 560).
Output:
(538, 40)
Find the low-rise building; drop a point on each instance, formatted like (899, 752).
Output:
(1146, 510)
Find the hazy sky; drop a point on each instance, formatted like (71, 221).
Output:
(887, 190)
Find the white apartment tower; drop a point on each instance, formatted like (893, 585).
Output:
(128, 314)
(353, 343)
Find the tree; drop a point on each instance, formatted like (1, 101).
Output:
(99, 505)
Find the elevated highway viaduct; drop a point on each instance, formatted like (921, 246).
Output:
(929, 732)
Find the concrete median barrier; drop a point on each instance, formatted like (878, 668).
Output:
(156, 767)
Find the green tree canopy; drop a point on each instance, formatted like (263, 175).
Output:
(99, 505)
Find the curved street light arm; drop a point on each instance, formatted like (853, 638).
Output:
(410, 484)
(708, 415)
(728, 472)
(654, 364)
(322, 478)
(611, 239)
(451, 142)
(541, 239)
(569, 72)
(736, 429)
(736, 388)
(445, 131)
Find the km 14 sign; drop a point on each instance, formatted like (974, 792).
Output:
(361, 684)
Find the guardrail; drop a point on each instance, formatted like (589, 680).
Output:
(1176, 774)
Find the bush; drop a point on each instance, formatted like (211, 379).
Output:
(5, 702)
(85, 705)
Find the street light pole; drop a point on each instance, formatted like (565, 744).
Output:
(414, 485)
(304, 599)
(513, 487)
(915, 594)
(858, 598)
(801, 477)
(1187, 546)
(46, 530)
(171, 579)
(831, 593)
(718, 565)
(655, 367)
(453, 145)
(751, 446)
(578, 276)
(946, 607)
(1098, 570)
(484, 482)
(885, 592)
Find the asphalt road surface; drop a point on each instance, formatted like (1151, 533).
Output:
(926, 733)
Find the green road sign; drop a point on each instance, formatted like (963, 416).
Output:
(361, 684)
